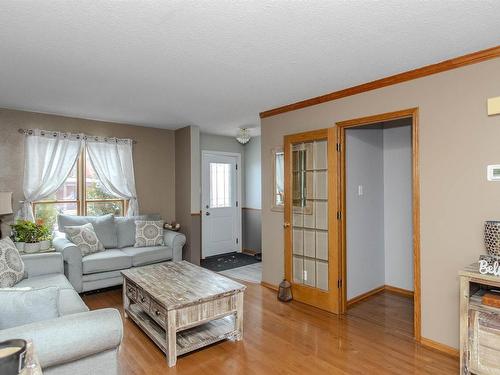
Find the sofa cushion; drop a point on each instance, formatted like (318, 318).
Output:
(85, 238)
(23, 306)
(104, 227)
(148, 233)
(11, 264)
(147, 255)
(125, 228)
(108, 260)
(44, 281)
(70, 302)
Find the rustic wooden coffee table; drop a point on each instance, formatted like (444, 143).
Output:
(183, 307)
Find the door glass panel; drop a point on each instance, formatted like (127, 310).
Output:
(220, 185)
(310, 214)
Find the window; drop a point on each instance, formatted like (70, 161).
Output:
(81, 194)
(220, 185)
(279, 179)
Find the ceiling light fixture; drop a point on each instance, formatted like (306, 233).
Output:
(243, 136)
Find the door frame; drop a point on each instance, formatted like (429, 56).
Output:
(237, 155)
(341, 126)
(304, 293)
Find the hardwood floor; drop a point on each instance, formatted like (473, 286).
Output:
(292, 338)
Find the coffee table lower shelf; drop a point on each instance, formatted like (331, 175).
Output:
(188, 340)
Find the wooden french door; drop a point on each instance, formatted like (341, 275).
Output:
(312, 263)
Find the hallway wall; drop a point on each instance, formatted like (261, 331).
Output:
(364, 213)
(398, 225)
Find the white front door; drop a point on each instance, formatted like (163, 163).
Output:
(221, 214)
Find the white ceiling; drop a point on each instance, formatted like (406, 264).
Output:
(217, 64)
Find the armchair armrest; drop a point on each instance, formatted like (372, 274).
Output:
(71, 337)
(176, 241)
(73, 268)
(43, 264)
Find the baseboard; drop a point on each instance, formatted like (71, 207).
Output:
(400, 291)
(431, 344)
(269, 286)
(363, 296)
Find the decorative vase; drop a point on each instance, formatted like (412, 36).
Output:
(44, 245)
(20, 246)
(492, 238)
(32, 247)
(285, 291)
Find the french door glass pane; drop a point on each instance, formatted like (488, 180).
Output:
(220, 185)
(47, 212)
(310, 214)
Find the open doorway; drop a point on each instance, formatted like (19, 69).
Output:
(380, 223)
(230, 206)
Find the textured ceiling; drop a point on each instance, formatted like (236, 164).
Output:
(217, 64)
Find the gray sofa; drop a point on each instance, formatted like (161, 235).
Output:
(117, 234)
(79, 341)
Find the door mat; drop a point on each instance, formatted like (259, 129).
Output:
(228, 261)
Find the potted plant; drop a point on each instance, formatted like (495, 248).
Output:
(28, 236)
(43, 236)
(20, 233)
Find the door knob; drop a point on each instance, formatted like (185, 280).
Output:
(207, 213)
(286, 225)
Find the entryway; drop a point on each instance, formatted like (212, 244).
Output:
(231, 206)
(221, 211)
(380, 214)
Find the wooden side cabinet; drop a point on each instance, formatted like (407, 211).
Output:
(479, 324)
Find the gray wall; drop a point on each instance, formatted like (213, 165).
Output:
(364, 213)
(253, 174)
(379, 222)
(252, 215)
(398, 231)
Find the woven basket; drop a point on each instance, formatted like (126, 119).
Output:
(492, 237)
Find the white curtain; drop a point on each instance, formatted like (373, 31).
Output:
(113, 163)
(49, 159)
(280, 173)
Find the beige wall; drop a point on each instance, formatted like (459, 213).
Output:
(186, 190)
(457, 141)
(153, 155)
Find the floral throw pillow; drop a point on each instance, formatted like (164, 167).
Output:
(148, 233)
(11, 264)
(85, 238)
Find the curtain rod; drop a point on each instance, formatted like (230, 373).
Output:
(85, 136)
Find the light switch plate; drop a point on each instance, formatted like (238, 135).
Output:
(494, 106)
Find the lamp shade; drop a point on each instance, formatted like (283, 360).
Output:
(5, 203)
